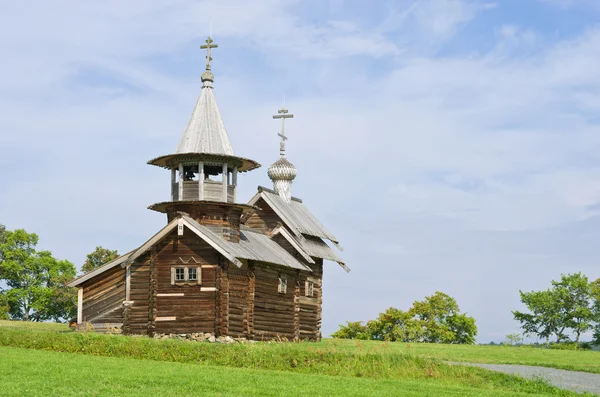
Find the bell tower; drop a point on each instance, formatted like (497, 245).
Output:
(204, 168)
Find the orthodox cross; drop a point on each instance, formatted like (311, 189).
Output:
(282, 114)
(209, 44)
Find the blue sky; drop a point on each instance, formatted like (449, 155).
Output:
(450, 145)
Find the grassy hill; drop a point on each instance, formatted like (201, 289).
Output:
(49, 359)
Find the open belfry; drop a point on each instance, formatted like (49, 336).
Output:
(250, 270)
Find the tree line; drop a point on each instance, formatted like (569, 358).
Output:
(436, 319)
(35, 281)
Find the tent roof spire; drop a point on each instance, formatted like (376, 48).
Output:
(205, 132)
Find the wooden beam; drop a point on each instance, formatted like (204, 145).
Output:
(127, 282)
(80, 305)
(224, 196)
(181, 181)
(234, 182)
(173, 181)
(201, 180)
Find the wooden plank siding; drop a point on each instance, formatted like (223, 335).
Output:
(195, 310)
(227, 300)
(103, 297)
(264, 218)
(137, 320)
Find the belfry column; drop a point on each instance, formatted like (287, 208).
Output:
(224, 196)
(201, 180)
(180, 181)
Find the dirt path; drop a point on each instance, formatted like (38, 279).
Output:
(569, 380)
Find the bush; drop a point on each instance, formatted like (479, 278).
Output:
(571, 346)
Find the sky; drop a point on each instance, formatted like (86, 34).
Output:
(450, 145)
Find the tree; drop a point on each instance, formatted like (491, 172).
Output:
(99, 257)
(352, 330)
(4, 308)
(595, 294)
(567, 305)
(36, 280)
(514, 339)
(544, 319)
(394, 325)
(574, 293)
(437, 319)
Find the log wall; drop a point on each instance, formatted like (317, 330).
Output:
(138, 316)
(185, 307)
(103, 297)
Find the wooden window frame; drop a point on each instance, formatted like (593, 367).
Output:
(309, 288)
(282, 284)
(186, 274)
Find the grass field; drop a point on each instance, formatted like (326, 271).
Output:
(40, 358)
(582, 360)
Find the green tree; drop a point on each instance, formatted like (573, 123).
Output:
(514, 339)
(567, 306)
(437, 319)
(544, 319)
(574, 294)
(352, 330)
(394, 325)
(36, 280)
(4, 307)
(99, 257)
(595, 294)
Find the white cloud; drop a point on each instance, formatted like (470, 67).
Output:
(440, 172)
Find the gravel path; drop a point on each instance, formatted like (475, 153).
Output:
(570, 380)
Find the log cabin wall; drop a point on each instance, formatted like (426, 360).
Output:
(103, 297)
(138, 319)
(310, 313)
(274, 312)
(212, 215)
(264, 218)
(238, 296)
(185, 307)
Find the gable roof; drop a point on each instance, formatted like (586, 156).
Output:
(309, 246)
(252, 246)
(295, 215)
(107, 266)
(205, 132)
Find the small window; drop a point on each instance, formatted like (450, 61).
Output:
(192, 274)
(185, 275)
(282, 288)
(310, 288)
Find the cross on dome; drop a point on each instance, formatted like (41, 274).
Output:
(282, 114)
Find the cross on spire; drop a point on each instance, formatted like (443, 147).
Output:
(209, 44)
(282, 114)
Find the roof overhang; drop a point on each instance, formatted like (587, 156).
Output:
(166, 205)
(82, 279)
(173, 160)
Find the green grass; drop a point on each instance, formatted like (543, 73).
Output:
(35, 326)
(580, 360)
(333, 367)
(42, 373)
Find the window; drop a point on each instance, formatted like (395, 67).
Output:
(179, 274)
(309, 288)
(185, 275)
(282, 288)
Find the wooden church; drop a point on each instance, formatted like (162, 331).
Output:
(250, 270)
